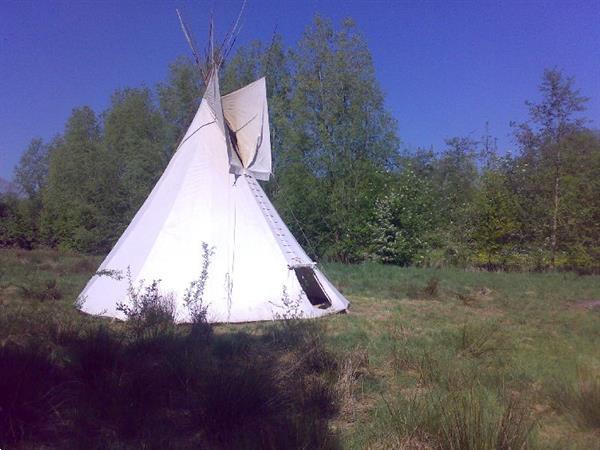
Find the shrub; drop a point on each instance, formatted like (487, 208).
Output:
(194, 298)
(291, 309)
(430, 291)
(41, 290)
(148, 310)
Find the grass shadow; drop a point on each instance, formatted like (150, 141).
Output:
(100, 386)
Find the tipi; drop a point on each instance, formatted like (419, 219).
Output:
(208, 196)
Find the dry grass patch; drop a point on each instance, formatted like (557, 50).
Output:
(372, 309)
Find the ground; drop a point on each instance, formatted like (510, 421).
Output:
(425, 358)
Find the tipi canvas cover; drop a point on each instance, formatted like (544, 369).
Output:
(209, 196)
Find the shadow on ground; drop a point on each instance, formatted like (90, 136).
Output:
(85, 384)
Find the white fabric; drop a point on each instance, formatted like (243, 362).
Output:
(247, 116)
(291, 249)
(212, 95)
(197, 200)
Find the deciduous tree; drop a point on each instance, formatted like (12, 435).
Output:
(544, 143)
(135, 137)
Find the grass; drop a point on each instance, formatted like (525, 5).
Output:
(456, 341)
(445, 359)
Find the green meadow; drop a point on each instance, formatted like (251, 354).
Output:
(425, 358)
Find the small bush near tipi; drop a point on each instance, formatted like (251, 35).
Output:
(147, 309)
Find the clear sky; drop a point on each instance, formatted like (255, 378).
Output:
(446, 67)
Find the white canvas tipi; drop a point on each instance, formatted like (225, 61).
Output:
(208, 195)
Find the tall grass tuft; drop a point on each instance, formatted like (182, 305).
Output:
(479, 340)
(580, 399)
(472, 419)
(430, 291)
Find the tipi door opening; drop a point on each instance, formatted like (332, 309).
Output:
(312, 287)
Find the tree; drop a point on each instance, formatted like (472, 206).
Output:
(244, 67)
(496, 225)
(579, 209)
(135, 139)
(32, 171)
(273, 62)
(403, 218)
(22, 214)
(456, 175)
(8, 219)
(180, 98)
(544, 138)
(333, 142)
(454, 180)
(342, 133)
(79, 210)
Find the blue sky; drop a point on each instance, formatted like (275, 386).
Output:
(446, 67)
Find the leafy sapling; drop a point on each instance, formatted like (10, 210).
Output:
(194, 296)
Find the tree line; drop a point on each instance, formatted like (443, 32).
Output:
(342, 180)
